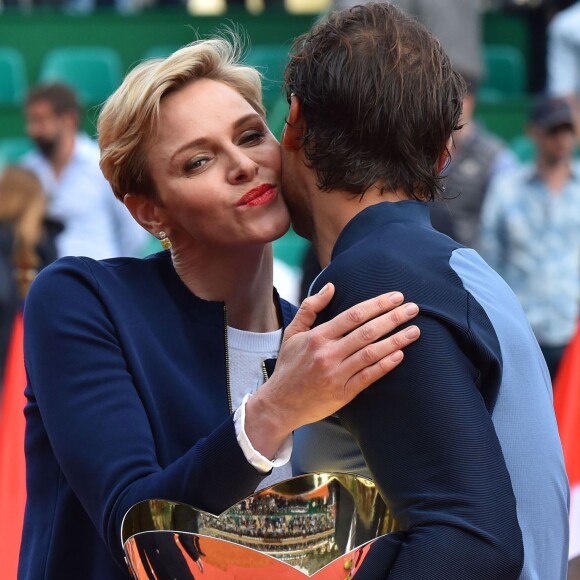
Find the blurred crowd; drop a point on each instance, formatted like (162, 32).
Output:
(277, 526)
(135, 6)
(536, 10)
(523, 217)
(55, 202)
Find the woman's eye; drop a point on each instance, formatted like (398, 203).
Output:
(252, 137)
(194, 164)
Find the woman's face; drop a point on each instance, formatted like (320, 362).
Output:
(216, 167)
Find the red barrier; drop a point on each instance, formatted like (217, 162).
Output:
(567, 407)
(12, 464)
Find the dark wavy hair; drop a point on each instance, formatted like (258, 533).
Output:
(61, 97)
(380, 99)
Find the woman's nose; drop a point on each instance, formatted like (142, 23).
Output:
(242, 168)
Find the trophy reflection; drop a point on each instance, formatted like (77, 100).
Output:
(320, 524)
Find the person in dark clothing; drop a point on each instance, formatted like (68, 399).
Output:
(461, 439)
(26, 244)
(8, 292)
(476, 158)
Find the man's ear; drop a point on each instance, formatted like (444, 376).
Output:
(145, 212)
(295, 126)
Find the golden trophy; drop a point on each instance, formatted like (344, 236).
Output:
(318, 525)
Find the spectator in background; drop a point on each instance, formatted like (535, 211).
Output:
(563, 58)
(67, 163)
(476, 158)
(531, 229)
(535, 16)
(26, 244)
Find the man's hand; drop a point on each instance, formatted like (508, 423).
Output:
(322, 369)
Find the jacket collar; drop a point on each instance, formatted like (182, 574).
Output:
(380, 215)
(205, 308)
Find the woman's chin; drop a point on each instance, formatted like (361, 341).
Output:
(278, 225)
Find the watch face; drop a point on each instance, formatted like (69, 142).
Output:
(319, 525)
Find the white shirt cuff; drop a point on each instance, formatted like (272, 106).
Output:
(255, 458)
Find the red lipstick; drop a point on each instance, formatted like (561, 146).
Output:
(259, 195)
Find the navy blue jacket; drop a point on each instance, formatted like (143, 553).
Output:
(127, 401)
(461, 438)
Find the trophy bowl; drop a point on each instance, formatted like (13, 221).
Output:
(321, 525)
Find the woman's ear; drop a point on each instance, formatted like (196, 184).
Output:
(295, 126)
(145, 212)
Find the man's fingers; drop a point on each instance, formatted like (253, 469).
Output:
(308, 311)
(359, 314)
(373, 362)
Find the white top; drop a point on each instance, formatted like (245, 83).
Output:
(247, 351)
(95, 223)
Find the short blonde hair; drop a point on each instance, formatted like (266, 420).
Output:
(131, 114)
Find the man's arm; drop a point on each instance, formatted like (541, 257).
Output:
(430, 445)
(427, 437)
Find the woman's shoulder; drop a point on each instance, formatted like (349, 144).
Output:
(85, 266)
(78, 275)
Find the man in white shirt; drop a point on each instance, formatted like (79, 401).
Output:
(563, 57)
(66, 161)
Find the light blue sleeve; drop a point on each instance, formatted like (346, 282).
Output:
(491, 243)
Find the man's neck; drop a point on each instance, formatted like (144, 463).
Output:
(333, 210)
(63, 154)
(555, 175)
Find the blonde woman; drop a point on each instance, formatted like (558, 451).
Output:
(146, 377)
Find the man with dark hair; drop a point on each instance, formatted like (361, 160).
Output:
(66, 161)
(461, 439)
